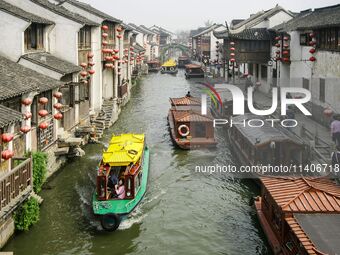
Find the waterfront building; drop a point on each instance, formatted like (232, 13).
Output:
(204, 43)
(251, 49)
(312, 60)
(164, 36)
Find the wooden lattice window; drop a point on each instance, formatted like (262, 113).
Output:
(34, 37)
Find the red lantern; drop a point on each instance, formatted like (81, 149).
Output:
(278, 52)
(285, 52)
(286, 38)
(104, 43)
(7, 154)
(26, 101)
(116, 57)
(312, 35)
(109, 65)
(232, 60)
(91, 63)
(312, 50)
(277, 45)
(25, 129)
(43, 100)
(58, 106)
(277, 38)
(119, 29)
(58, 95)
(119, 36)
(90, 55)
(328, 112)
(312, 43)
(286, 46)
(232, 48)
(83, 73)
(105, 35)
(27, 115)
(105, 28)
(43, 113)
(232, 43)
(131, 48)
(43, 125)
(116, 50)
(107, 50)
(312, 59)
(132, 58)
(58, 116)
(91, 72)
(108, 58)
(285, 59)
(7, 137)
(83, 65)
(232, 54)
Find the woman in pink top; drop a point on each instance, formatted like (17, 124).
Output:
(120, 189)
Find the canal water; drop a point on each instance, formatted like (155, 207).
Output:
(183, 212)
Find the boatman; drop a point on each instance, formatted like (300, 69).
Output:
(336, 161)
(188, 94)
(335, 129)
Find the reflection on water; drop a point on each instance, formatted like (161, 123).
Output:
(183, 212)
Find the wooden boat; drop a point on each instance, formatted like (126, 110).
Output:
(126, 160)
(169, 67)
(193, 71)
(265, 145)
(153, 66)
(182, 61)
(188, 128)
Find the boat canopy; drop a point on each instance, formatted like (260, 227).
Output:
(170, 63)
(124, 150)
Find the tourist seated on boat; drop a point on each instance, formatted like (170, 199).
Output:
(188, 94)
(120, 189)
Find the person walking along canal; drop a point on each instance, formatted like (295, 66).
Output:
(335, 129)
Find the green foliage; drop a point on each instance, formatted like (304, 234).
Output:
(27, 214)
(39, 170)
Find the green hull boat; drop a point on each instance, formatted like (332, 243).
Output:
(126, 160)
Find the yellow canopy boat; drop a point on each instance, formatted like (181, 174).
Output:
(169, 66)
(124, 150)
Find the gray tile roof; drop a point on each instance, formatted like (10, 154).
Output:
(92, 10)
(246, 34)
(17, 80)
(260, 16)
(49, 61)
(20, 13)
(64, 12)
(319, 18)
(138, 48)
(9, 116)
(146, 30)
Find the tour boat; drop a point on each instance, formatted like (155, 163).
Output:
(182, 61)
(153, 66)
(126, 160)
(170, 67)
(189, 129)
(194, 71)
(264, 144)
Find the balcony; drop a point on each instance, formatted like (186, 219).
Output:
(15, 186)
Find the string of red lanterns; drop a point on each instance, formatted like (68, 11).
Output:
(312, 43)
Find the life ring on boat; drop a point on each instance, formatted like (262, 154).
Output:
(110, 222)
(183, 133)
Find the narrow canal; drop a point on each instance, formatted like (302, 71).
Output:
(183, 212)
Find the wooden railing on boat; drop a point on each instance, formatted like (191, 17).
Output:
(15, 186)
